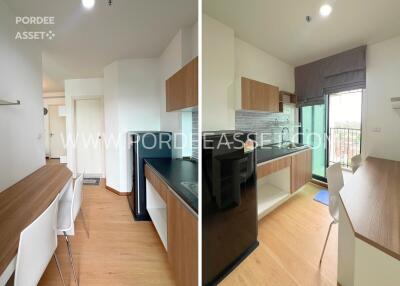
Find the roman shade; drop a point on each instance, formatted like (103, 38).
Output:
(341, 72)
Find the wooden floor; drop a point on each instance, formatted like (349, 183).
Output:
(119, 251)
(123, 252)
(52, 161)
(291, 240)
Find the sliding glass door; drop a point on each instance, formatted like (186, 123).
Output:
(339, 120)
(344, 126)
(313, 133)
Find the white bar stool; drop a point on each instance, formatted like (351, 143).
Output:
(37, 245)
(335, 184)
(69, 207)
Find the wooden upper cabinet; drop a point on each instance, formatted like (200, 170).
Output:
(259, 96)
(301, 169)
(182, 242)
(182, 88)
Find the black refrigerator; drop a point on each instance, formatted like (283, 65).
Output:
(145, 144)
(229, 202)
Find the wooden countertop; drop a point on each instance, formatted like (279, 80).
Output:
(23, 202)
(372, 203)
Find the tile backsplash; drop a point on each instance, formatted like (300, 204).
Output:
(267, 126)
(195, 128)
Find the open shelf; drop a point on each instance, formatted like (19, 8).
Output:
(159, 218)
(269, 197)
(286, 97)
(157, 209)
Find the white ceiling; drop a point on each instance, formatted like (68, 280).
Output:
(87, 41)
(279, 27)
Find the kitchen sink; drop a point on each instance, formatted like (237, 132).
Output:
(192, 187)
(289, 145)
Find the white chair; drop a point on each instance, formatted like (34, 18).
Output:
(355, 162)
(335, 184)
(37, 245)
(69, 207)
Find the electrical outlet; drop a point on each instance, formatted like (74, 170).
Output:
(376, 129)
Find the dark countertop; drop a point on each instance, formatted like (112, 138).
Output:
(175, 171)
(267, 153)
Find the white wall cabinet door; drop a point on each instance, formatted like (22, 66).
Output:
(57, 137)
(89, 137)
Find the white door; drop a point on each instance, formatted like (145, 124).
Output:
(56, 132)
(89, 141)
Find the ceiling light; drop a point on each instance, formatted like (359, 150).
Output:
(325, 10)
(88, 4)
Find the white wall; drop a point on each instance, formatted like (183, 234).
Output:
(225, 60)
(254, 63)
(170, 63)
(383, 74)
(21, 78)
(111, 124)
(131, 103)
(134, 100)
(139, 108)
(75, 89)
(195, 40)
(218, 75)
(189, 45)
(181, 50)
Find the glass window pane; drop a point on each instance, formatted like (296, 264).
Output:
(313, 122)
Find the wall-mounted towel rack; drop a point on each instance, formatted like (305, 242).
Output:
(5, 102)
(395, 102)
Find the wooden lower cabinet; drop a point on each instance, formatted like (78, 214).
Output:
(182, 241)
(300, 165)
(181, 232)
(301, 169)
(273, 166)
(158, 185)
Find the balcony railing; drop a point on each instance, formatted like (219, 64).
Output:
(344, 143)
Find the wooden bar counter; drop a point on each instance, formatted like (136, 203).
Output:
(23, 202)
(369, 225)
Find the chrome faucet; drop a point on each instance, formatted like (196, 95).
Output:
(283, 133)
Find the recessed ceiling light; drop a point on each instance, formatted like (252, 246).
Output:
(325, 10)
(88, 4)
